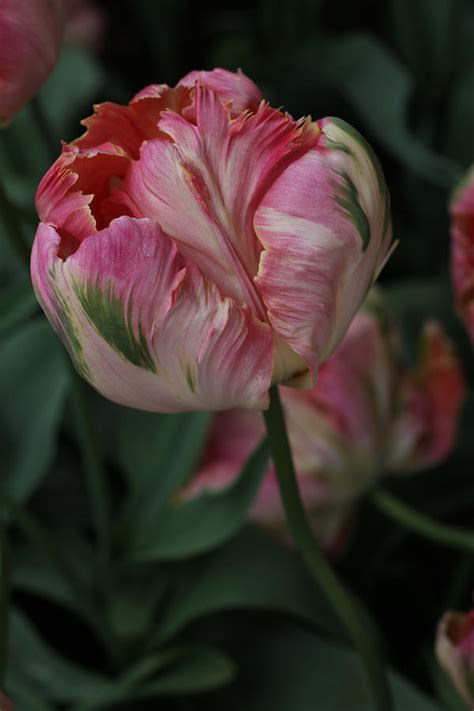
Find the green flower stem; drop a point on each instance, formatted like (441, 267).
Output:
(424, 526)
(317, 564)
(4, 601)
(96, 479)
(14, 228)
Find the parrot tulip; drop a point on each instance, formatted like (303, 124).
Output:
(197, 245)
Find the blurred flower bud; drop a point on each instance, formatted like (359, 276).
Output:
(462, 250)
(365, 415)
(85, 24)
(430, 401)
(455, 652)
(5, 703)
(30, 39)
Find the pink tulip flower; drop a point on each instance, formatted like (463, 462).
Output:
(367, 415)
(462, 250)
(430, 401)
(455, 652)
(85, 24)
(30, 40)
(197, 245)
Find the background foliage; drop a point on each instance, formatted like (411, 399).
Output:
(143, 605)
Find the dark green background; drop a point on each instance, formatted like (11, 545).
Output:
(199, 612)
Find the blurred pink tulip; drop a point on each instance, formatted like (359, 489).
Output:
(430, 402)
(30, 40)
(85, 24)
(197, 245)
(366, 415)
(455, 652)
(5, 703)
(462, 250)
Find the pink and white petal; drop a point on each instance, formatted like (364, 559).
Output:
(216, 172)
(356, 384)
(324, 226)
(58, 202)
(145, 329)
(233, 88)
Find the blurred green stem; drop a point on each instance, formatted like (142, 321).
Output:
(316, 561)
(13, 228)
(424, 526)
(4, 601)
(96, 480)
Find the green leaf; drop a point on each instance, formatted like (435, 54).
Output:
(17, 303)
(158, 454)
(379, 88)
(33, 387)
(57, 678)
(200, 669)
(427, 47)
(70, 90)
(251, 572)
(284, 667)
(195, 526)
(126, 687)
(26, 694)
(457, 136)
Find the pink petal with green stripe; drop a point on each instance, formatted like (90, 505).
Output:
(325, 230)
(145, 327)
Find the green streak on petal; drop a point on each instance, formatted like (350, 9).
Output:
(337, 146)
(348, 199)
(114, 322)
(190, 379)
(68, 332)
(353, 134)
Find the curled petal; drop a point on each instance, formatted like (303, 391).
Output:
(324, 226)
(233, 88)
(462, 250)
(30, 39)
(145, 328)
(128, 126)
(216, 172)
(75, 193)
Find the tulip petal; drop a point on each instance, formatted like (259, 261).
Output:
(233, 88)
(325, 228)
(123, 302)
(77, 193)
(216, 172)
(128, 126)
